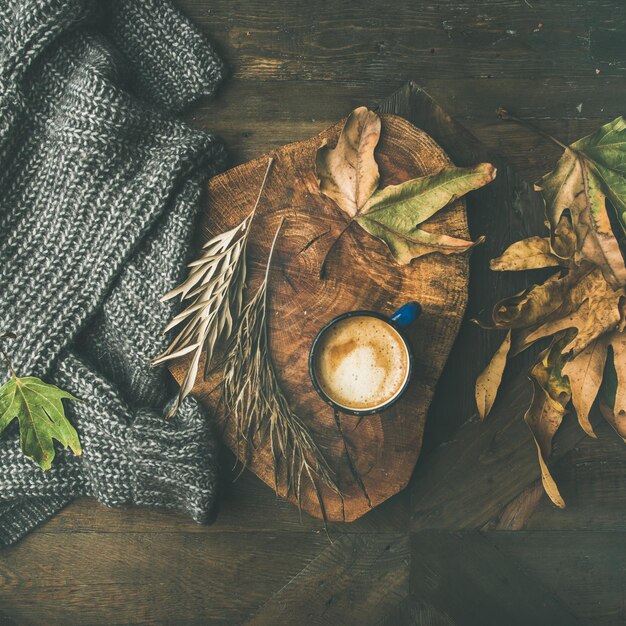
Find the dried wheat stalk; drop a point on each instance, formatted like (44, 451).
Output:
(254, 399)
(214, 286)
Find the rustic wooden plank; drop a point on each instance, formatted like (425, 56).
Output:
(252, 115)
(300, 40)
(416, 613)
(466, 577)
(467, 482)
(606, 46)
(591, 478)
(113, 578)
(583, 569)
(240, 103)
(355, 580)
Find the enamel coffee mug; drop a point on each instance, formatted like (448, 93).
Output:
(361, 362)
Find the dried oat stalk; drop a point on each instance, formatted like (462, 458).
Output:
(255, 401)
(214, 293)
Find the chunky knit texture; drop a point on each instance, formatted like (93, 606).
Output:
(99, 188)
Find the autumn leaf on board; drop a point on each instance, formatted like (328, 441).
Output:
(40, 413)
(349, 175)
(394, 213)
(591, 170)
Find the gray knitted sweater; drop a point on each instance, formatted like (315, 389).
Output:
(99, 187)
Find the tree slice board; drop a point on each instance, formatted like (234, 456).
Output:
(383, 448)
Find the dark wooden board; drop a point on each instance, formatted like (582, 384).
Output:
(361, 274)
(297, 67)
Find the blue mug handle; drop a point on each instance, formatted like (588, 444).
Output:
(406, 314)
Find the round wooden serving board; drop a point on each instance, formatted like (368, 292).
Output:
(361, 275)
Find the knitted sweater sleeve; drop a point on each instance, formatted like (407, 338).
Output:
(172, 62)
(98, 197)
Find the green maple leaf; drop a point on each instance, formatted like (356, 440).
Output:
(393, 214)
(40, 413)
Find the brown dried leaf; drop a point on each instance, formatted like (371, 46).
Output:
(582, 299)
(489, 380)
(538, 303)
(563, 240)
(585, 373)
(583, 306)
(348, 173)
(617, 341)
(573, 186)
(527, 254)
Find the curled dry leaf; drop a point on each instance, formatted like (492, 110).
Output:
(617, 340)
(489, 381)
(349, 175)
(591, 306)
(215, 286)
(551, 393)
(528, 254)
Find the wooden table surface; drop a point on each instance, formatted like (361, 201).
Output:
(472, 540)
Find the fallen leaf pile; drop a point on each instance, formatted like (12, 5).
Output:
(348, 174)
(582, 306)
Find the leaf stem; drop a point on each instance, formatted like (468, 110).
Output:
(505, 115)
(270, 257)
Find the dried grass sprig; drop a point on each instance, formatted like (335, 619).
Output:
(254, 399)
(215, 286)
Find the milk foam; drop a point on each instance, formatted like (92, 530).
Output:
(361, 362)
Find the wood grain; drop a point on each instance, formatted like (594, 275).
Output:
(295, 68)
(361, 275)
(468, 578)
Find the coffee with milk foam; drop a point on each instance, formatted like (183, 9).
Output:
(361, 362)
